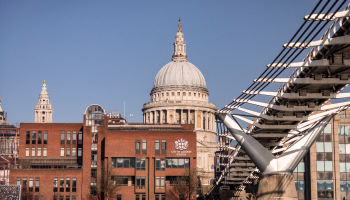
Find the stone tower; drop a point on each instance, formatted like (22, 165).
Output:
(43, 109)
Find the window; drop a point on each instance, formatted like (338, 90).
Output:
(33, 151)
(160, 196)
(156, 145)
(28, 137)
(144, 147)
(177, 163)
(137, 147)
(37, 184)
(323, 147)
(67, 151)
(140, 197)
(74, 197)
(328, 129)
(300, 168)
(74, 137)
(324, 184)
(163, 147)
(299, 185)
(33, 137)
(62, 137)
(24, 183)
(18, 181)
(31, 184)
(67, 197)
(74, 152)
(68, 137)
(80, 137)
(119, 197)
(61, 197)
(324, 166)
(120, 180)
(67, 184)
(45, 152)
(140, 182)
(123, 162)
(160, 164)
(80, 152)
(27, 151)
(62, 152)
(61, 184)
(140, 164)
(38, 152)
(160, 183)
(55, 184)
(39, 137)
(45, 137)
(74, 184)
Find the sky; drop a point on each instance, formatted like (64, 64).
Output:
(108, 52)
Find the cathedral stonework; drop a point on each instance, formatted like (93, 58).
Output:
(180, 96)
(43, 109)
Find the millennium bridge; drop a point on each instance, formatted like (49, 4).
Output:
(265, 132)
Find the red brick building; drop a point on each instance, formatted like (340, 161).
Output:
(70, 161)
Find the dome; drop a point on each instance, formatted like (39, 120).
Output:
(179, 74)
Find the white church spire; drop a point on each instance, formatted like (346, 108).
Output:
(43, 109)
(179, 45)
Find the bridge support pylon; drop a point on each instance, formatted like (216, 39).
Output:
(277, 180)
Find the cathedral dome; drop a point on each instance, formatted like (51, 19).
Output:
(179, 74)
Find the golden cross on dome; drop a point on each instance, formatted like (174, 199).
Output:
(179, 25)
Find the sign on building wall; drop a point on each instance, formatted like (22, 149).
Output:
(181, 146)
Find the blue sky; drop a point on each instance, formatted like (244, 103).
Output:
(108, 52)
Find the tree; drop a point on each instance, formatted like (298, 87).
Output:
(185, 187)
(106, 188)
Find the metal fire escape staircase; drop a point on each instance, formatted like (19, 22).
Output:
(313, 93)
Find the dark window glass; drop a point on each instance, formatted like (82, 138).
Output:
(39, 137)
(140, 182)
(140, 164)
(24, 183)
(55, 184)
(28, 137)
(80, 137)
(163, 147)
(160, 164)
(119, 197)
(67, 197)
(156, 145)
(45, 137)
(33, 137)
(37, 184)
(62, 137)
(61, 184)
(74, 184)
(67, 184)
(121, 180)
(137, 147)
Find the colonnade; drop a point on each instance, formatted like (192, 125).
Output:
(202, 119)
